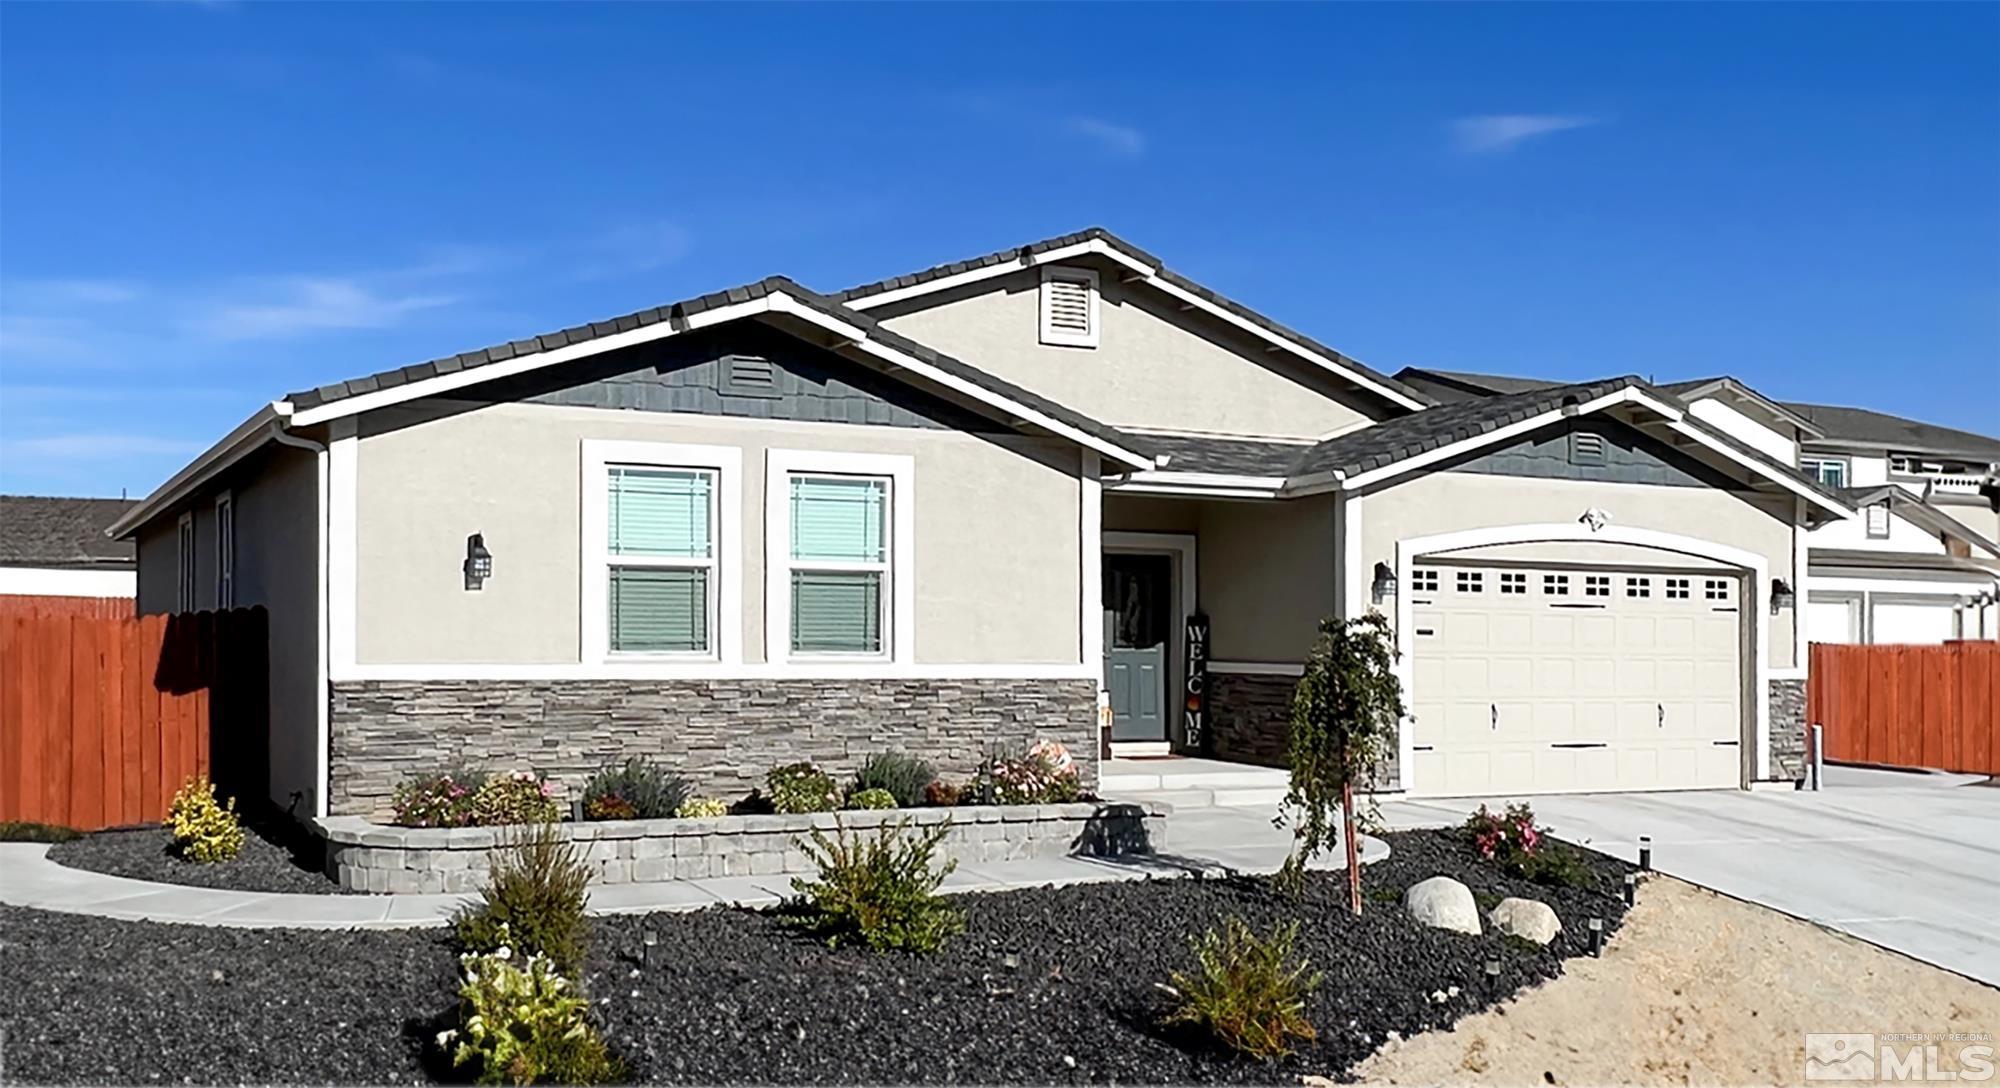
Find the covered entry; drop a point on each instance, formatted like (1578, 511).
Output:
(1148, 594)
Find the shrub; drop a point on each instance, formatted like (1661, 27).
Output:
(880, 890)
(28, 831)
(942, 794)
(1044, 775)
(204, 830)
(876, 798)
(702, 808)
(1511, 840)
(1246, 990)
(903, 775)
(610, 807)
(533, 900)
(444, 799)
(648, 790)
(522, 1022)
(802, 787)
(523, 797)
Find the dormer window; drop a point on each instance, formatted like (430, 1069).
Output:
(1069, 307)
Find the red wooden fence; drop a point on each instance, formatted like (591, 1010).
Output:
(103, 718)
(1909, 706)
(18, 604)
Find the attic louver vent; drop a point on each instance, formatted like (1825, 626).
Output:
(748, 376)
(1878, 520)
(1069, 307)
(1586, 448)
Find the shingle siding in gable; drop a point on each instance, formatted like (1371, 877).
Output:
(1629, 458)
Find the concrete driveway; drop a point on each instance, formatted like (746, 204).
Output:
(1907, 861)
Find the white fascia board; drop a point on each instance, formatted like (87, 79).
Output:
(1627, 395)
(1784, 480)
(1213, 485)
(1149, 275)
(247, 436)
(794, 670)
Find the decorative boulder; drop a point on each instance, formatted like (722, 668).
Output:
(1443, 903)
(1528, 919)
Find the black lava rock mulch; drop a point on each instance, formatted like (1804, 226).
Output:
(144, 853)
(1057, 985)
(1046, 986)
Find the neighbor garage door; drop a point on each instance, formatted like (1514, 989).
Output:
(1558, 679)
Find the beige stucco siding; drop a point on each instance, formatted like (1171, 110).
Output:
(1449, 502)
(1149, 369)
(1267, 575)
(996, 535)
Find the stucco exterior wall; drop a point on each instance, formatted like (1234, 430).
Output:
(1853, 533)
(1149, 369)
(1450, 502)
(1267, 575)
(997, 532)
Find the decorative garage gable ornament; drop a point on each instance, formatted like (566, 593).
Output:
(1595, 518)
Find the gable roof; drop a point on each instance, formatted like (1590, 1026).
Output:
(1698, 388)
(39, 531)
(1148, 269)
(1451, 386)
(1864, 426)
(1919, 513)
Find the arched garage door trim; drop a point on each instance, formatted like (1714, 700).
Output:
(1409, 550)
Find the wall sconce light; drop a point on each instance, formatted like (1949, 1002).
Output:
(1782, 595)
(1385, 583)
(478, 562)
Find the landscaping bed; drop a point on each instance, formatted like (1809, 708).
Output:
(145, 854)
(1050, 985)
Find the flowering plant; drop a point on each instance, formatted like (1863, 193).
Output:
(1044, 775)
(522, 1022)
(438, 800)
(1504, 836)
(523, 797)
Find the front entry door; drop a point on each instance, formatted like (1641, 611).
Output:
(1137, 623)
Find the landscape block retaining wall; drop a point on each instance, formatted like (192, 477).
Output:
(370, 857)
(722, 735)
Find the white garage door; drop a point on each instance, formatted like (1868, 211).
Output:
(1552, 679)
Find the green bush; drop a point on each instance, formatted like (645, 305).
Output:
(879, 890)
(802, 787)
(875, 799)
(204, 830)
(1043, 775)
(1512, 841)
(1247, 991)
(900, 773)
(702, 808)
(533, 901)
(523, 797)
(522, 1022)
(28, 831)
(648, 790)
(442, 799)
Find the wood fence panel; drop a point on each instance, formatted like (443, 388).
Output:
(102, 718)
(1909, 706)
(106, 608)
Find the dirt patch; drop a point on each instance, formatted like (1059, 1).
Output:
(1696, 988)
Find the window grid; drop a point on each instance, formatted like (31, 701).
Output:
(1555, 585)
(660, 559)
(1638, 587)
(1597, 585)
(1424, 581)
(1513, 582)
(1677, 589)
(1715, 589)
(1471, 581)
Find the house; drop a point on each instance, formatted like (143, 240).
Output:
(958, 509)
(57, 547)
(1919, 565)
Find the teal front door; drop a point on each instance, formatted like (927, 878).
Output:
(1138, 602)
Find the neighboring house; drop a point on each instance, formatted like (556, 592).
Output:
(57, 547)
(1920, 563)
(953, 510)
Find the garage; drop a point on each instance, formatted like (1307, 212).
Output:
(1567, 679)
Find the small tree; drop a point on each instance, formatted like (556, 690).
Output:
(1344, 715)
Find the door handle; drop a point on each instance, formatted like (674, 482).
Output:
(1493, 709)
(1663, 714)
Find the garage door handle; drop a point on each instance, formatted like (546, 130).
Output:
(1663, 714)
(1494, 710)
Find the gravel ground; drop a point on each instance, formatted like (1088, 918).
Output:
(1050, 985)
(142, 854)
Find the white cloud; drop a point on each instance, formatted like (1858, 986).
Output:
(72, 292)
(306, 305)
(1121, 140)
(1499, 132)
(99, 446)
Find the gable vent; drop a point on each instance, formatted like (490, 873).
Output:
(748, 376)
(1069, 307)
(1878, 520)
(1586, 448)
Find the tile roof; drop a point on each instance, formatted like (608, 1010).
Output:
(38, 531)
(772, 285)
(1224, 456)
(1099, 234)
(1452, 386)
(1863, 425)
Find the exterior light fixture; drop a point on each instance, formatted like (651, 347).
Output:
(1782, 595)
(1385, 583)
(478, 562)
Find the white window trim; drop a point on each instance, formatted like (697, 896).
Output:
(725, 644)
(899, 636)
(186, 585)
(1810, 465)
(225, 551)
(1062, 337)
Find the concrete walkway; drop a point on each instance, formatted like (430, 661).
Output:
(1207, 842)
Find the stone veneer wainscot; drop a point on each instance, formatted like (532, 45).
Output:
(1788, 730)
(723, 735)
(1252, 719)
(375, 858)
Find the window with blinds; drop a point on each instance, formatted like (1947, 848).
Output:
(1069, 307)
(660, 559)
(839, 564)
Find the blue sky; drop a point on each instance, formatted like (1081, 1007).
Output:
(204, 206)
